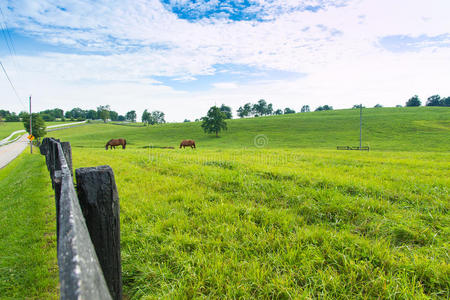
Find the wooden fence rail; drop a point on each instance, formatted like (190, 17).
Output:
(88, 232)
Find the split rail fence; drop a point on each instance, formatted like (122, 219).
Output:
(88, 226)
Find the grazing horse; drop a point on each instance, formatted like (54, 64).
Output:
(116, 142)
(187, 143)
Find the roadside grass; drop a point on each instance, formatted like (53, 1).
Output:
(387, 129)
(281, 223)
(28, 267)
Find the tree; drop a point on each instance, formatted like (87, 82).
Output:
(245, 110)
(278, 112)
(2, 122)
(378, 106)
(114, 116)
(37, 125)
(269, 110)
(260, 108)
(91, 114)
(325, 107)
(12, 117)
(305, 108)
(47, 117)
(186, 121)
(413, 101)
(434, 100)
(445, 101)
(227, 111)
(157, 117)
(354, 106)
(145, 117)
(121, 118)
(131, 116)
(103, 112)
(287, 110)
(214, 122)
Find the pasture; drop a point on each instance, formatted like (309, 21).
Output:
(294, 219)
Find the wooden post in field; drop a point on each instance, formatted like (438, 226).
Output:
(99, 201)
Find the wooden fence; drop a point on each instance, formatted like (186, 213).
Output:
(366, 148)
(88, 228)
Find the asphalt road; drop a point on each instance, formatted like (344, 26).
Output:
(11, 151)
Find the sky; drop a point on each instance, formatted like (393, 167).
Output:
(182, 57)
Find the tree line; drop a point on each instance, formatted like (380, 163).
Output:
(434, 100)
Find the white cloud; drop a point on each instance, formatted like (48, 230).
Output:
(337, 47)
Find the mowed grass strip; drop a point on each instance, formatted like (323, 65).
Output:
(281, 223)
(28, 266)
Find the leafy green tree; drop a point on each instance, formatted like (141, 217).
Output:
(445, 101)
(103, 112)
(260, 108)
(131, 116)
(278, 112)
(12, 117)
(4, 113)
(354, 106)
(325, 107)
(22, 114)
(305, 108)
(47, 117)
(245, 110)
(145, 117)
(37, 125)
(121, 118)
(157, 117)
(378, 106)
(214, 122)
(413, 101)
(91, 114)
(434, 100)
(269, 110)
(186, 121)
(114, 116)
(287, 110)
(227, 111)
(398, 105)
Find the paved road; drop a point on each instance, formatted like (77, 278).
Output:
(11, 151)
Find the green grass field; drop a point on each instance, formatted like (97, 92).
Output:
(6, 128)
(386, 129)
(28, 268)
(292, 219)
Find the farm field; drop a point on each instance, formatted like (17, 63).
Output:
(6, 128)
(293, 219)
(386, 129)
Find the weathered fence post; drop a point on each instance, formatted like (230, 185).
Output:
(68, 155)
(99, 201)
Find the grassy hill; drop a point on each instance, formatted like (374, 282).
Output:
(387, 129)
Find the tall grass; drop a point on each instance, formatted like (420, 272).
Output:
(281, 223)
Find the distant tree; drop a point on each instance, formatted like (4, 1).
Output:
(78, 113)
(378, 106)
(186, 121)
(413, 101)
(103, 112)
(156, 117)
(227, 111)
(214, 122)
(197, 120)
(269, 110)
(114, 116)
(47, 117)
(354, 106)
(325, 107)
(37, 125)
(121, 118)
(131, 116)
(22, 114)
(12, 118)
(305, 108)
(445, 101)
(68, 115)
(434, 100)
(145, 117)
(287, 110)
(4, 113)
(245, 110)
(2, 122)
(91, 114)
(260, 108)
(278, 112)
(398, 105)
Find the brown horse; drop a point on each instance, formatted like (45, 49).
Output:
(187, 143)
(116, 142)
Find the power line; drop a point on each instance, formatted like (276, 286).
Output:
(12, 85)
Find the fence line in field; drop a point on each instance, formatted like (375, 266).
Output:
(88, 228)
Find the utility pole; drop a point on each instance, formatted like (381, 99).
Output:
(360, 127)
(31, 142)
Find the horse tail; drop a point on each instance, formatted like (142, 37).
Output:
(124, 143)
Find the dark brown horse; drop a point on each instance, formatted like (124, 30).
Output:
(187, 143)
(116, 142)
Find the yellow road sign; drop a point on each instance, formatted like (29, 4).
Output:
(30, 137)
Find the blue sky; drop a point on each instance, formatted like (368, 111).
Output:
(183, 56)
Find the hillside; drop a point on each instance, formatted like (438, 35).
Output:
(387, 129)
